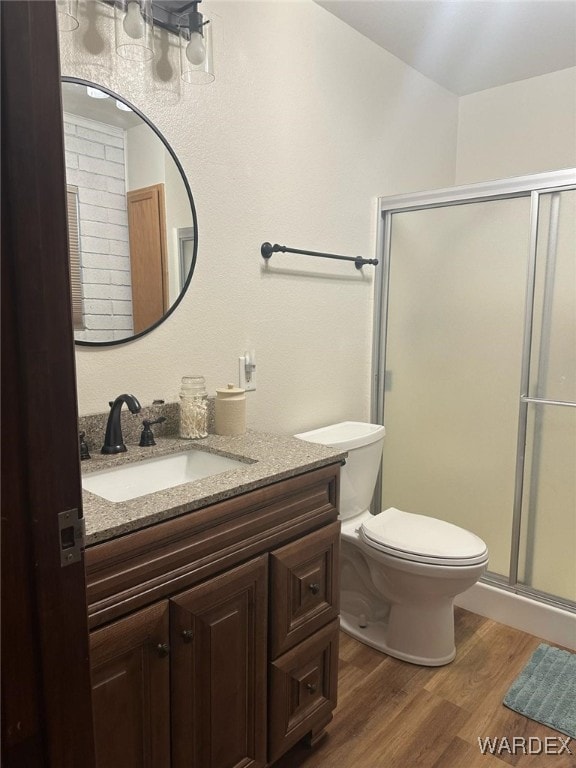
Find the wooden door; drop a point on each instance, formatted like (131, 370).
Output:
(148, 257)
(46, 705)
(218, 640)
(131, 690)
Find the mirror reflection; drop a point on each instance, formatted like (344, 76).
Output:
(132, 223)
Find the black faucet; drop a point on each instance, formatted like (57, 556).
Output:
(113, 442)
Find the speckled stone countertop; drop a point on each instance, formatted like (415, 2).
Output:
(267, 459)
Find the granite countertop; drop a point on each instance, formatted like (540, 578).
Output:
(267, 458)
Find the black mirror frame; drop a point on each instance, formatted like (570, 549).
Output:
(128, 339)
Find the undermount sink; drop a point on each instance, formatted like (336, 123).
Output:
(133, 480)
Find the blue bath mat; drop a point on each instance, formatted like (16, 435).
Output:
(545, 690)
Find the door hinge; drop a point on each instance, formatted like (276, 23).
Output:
(72, 530)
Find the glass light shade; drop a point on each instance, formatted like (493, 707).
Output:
(196, 56)
(96, 93)
(67, 15)
(134, 27)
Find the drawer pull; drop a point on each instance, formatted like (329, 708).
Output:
(314, 588)
(310, 688)
(187, 635)
(162, 649)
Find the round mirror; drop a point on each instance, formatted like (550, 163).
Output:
(131, 219)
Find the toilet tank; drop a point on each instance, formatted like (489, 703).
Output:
(364, 443)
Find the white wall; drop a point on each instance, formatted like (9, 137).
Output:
(517, 129)
(306, 124)
(144, 158)
(178, 216)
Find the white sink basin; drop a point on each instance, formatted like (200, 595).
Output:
(133, 480)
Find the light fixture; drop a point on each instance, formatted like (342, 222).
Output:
(196, 60)
(67, 15)
(122, 106)
(134, 24)
(96, 93)
(137, 21)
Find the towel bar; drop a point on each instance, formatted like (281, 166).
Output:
(267, 249)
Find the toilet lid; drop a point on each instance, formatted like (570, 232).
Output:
(422, 539)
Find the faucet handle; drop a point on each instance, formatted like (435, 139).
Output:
(147, 436)
(84, 452)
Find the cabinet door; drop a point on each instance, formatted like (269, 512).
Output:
(218, 639)
(131, 690)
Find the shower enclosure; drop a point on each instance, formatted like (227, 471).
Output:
(475, 370)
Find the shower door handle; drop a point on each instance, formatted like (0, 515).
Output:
(541, 401)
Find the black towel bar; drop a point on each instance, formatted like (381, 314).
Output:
(267, 249)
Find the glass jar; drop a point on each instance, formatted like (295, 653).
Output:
(193, 407)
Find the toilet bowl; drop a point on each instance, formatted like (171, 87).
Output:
(400, 571)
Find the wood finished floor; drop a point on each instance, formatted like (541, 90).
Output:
(396, 715)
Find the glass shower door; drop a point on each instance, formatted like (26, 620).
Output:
(547, 525)
(454, 341)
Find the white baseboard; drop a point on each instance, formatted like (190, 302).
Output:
(545, 621)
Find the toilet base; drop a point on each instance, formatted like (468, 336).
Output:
(375, 633)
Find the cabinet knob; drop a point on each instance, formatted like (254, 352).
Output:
(314, 588)
(187, 635)
(311, 688)
(162, 649)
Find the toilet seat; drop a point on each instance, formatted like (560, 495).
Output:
(422, 539)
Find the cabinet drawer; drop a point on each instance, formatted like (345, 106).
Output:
(304, 587)
(303, 686)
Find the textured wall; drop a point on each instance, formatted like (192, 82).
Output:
(306, 124)
(517, 129)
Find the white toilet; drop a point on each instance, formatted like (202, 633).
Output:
(400, 572)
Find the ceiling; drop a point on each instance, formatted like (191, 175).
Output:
(468, 45)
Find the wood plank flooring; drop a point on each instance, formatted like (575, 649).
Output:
(396, 715)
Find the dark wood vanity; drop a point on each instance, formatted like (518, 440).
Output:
(214, 634)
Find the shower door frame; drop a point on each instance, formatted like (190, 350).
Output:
(532, 186)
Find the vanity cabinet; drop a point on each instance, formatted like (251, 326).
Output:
(214, 639)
